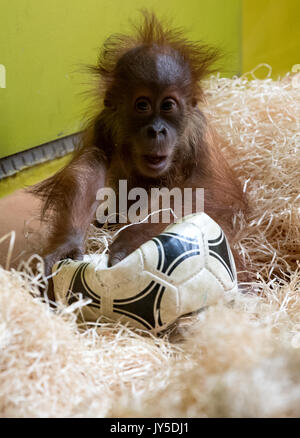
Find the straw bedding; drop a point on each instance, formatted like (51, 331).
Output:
(240, 358)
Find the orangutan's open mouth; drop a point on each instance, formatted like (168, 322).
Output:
(155, 162)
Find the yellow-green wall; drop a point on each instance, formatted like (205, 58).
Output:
(44, 43)
(271, 34)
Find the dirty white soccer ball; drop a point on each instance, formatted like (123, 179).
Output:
(187, 267)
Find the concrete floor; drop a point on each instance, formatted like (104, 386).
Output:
(18, 212)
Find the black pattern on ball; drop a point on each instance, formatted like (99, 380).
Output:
(219, 249)
(79, 286)
(144, 306)
(173, 249)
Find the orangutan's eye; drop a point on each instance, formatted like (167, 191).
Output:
(142, 105)
(168, 105)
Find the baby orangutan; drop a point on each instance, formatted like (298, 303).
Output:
(151, 132)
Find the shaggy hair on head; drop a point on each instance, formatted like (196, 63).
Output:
(239, 358)
(150, 33)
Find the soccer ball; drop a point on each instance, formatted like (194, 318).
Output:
(185, 268)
